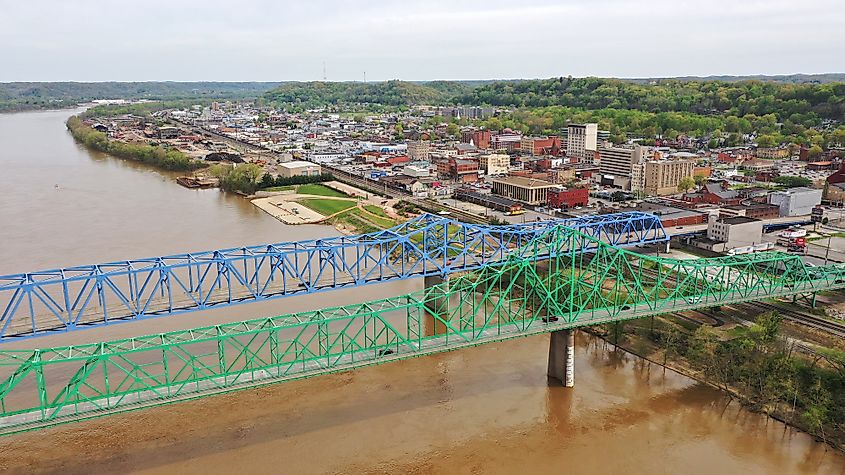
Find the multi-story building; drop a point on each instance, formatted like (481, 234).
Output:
(418, 150)
(479, 138)
(660, 177)
(736, 231)
(507, 141)
(495, 163)
(527, 190)
(796, 201)
(566, 198)
(581, 141)
(617, 162)
(550, 145)
(772, 152)
(464, 171)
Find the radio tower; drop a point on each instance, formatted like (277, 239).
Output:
(365, 76)
(324, 70)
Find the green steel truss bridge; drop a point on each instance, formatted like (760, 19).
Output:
(551, 286)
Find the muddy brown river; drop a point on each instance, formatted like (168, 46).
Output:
(488, 409)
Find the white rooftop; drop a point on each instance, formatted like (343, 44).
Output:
(297, 164)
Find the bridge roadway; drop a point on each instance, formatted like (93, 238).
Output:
(36, 303)
(508, 299)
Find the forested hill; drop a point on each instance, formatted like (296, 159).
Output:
(387, 93)
(35, 95)
(826, 101)
(785, 78)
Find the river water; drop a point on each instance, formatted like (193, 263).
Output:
(482, 410)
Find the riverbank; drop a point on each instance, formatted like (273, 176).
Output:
(767, 371)
(172, 160)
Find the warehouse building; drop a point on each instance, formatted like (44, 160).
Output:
(298, 168)
(798, 201)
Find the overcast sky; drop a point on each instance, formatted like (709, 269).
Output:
(244, 40)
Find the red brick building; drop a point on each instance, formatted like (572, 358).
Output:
(464, 171)
(479, 138)
(565, 198)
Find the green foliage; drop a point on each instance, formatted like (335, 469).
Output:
(389, 93)
(53, 95)
(793, 181)
(808, 101)
(771, 376)
(143, 109)
(376, 210)
(282, 182)
(687, 183)
(148, 154)
(242, 178)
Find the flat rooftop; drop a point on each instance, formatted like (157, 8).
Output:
(666, 211)
(524, 182)
(298, 164)
(738, 220)
(489, 198)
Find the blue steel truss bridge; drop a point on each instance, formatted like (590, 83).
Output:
(84, 296)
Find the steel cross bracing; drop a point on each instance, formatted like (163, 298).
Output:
(517, 297)
(85, 296)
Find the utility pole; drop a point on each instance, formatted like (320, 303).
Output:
(827, 251)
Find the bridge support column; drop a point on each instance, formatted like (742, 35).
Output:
(562, 357)
(668, 245)
(437, 304)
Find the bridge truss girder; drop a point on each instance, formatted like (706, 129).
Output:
(584, 282)
(67, 299)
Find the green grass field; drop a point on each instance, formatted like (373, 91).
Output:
(326, 207)
(279, 188)
(376, 210)
(320, 190)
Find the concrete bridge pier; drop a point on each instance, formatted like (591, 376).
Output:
(437, 306)
(562, 357)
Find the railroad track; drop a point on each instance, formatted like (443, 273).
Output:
(834, 328)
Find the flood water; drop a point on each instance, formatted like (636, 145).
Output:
(481, 410)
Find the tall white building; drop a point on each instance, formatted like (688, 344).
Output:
(581, 142)
(616, 163)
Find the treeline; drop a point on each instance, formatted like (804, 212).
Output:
(247, 178)
(721, 130)
(143, 109)
(151, 155)
(800, 103)
(767, 371)
(268, 181)
(389, 93)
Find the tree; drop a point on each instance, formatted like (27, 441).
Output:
(699, 180)
(267, 181)
(687, 183)
(815, 151)
(767, 141)
(793, 181)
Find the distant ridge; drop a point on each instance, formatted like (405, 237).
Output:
(782, 78)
